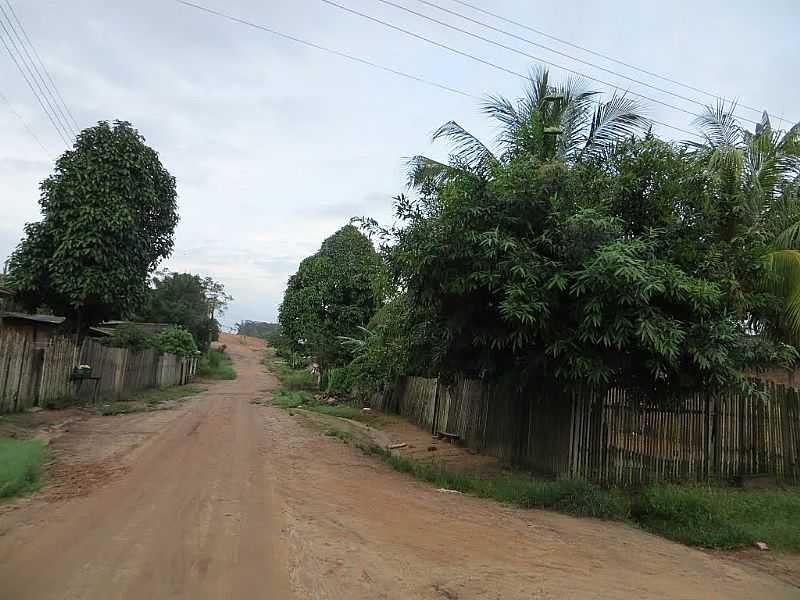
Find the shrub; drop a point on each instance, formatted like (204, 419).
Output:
(176, 340)
(128, 335)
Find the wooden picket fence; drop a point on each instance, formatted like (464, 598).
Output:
(613, 438)
(31, 376)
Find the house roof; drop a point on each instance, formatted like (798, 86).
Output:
(6, 291)
(109, 327)
(46, 319)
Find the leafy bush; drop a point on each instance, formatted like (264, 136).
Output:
(340, 380)
(128, 335)
(20, 466)
(717, 517)
(176, 340)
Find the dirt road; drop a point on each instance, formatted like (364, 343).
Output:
(226, 498)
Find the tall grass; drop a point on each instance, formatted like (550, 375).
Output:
(291, 378)
(215, 364)
(20, 466)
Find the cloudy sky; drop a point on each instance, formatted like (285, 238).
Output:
(275, 145)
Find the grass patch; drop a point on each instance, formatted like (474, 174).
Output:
(290, 378)
(216, 364)
(149, 400)
(574, 497)
(717, 517)
(20, 466)
(290, 398)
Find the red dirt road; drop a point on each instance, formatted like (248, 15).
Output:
(225, 498)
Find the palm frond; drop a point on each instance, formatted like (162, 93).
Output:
(469, 149)
(423, 171)
(503, 110)
(783, 267)
(789, 238)
(616, 119)
(719, 127)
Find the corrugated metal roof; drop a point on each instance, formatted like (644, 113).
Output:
(48, 319)
(5, 291)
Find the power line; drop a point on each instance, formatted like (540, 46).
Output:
(329, 50)
(500, 45)
(44, 67)
(25, 123)
(603, 56)
(501, 68)
(37, 77)
(381, 67)
(30, 85)
(548, 48)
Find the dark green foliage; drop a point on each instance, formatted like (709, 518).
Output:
(332, 293)
(128, 335)
(598, 273)
(176, 340)
(396, 342)
(721, 517)
(186, 300)
(20, 466)
(108, 216)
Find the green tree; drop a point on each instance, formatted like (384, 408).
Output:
(108, 216)
(600, 272)
(186, 300)
(562, 121)
(331, 294)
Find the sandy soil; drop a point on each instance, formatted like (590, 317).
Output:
(228, 497)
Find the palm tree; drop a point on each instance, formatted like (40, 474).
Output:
(562, 121)
(758, 181)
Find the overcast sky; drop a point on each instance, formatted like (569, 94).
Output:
(276, 145)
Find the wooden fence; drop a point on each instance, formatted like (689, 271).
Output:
(612, 438)
(31, 376)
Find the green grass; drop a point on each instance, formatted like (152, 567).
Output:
(215, 364)
(579, 498)
(290, 398)
(717, 517)
(711, 517)
(149, 400)
(292, 379)
(20, 466)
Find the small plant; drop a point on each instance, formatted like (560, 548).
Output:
(128, 335)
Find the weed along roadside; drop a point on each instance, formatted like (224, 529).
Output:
(216, 364)
(698, 515)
